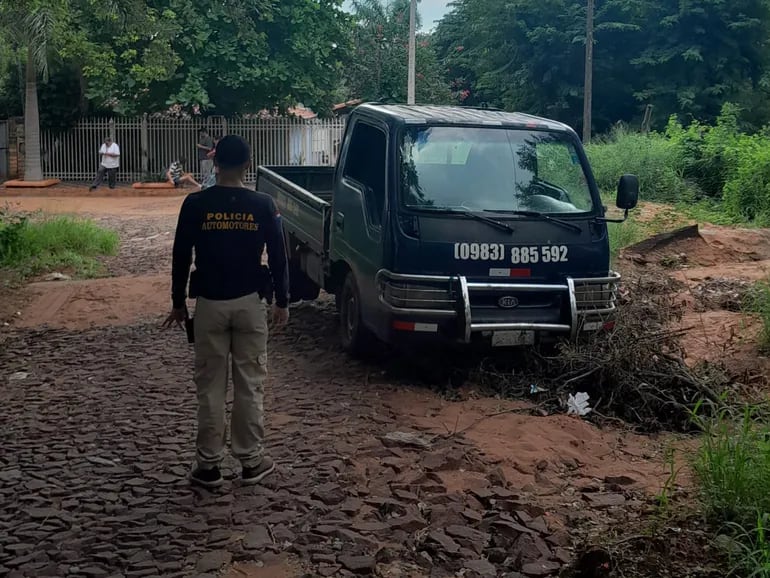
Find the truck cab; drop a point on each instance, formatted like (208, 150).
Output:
(456, 224)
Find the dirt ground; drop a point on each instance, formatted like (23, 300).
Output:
(375, 476)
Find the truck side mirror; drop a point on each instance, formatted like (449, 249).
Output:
(628, 192)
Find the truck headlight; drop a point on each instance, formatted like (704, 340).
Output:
(422, 295)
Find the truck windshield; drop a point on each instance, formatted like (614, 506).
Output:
(492, 169)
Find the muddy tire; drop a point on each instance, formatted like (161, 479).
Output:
(357, 340)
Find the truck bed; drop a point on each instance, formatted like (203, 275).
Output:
(303, 195)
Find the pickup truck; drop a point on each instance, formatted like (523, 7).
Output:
(474, 226)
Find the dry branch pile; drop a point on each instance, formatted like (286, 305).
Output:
(636, 372)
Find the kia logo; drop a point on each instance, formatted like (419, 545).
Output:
(507, 302)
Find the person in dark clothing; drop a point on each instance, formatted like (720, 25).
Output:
(229, 227)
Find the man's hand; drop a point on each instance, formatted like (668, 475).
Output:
(176, 316)
(280, 316)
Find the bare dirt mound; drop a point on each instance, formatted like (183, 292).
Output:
(713, 269)
(545, 455)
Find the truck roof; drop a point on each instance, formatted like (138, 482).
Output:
(430, 114)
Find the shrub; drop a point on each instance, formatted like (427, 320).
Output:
(747, 190)
(707, 154)
(653, 158)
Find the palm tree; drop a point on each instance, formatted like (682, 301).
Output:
(29, 24)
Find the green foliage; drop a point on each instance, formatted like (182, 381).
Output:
(654, 159)
(683, 58)
(377, 67)
(135, 56)
(717, 174)
(758, 302)
(624, 234)
(34, 246)
(732, 467)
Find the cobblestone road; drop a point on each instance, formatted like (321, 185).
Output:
(97, 441)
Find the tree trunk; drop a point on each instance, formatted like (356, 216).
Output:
(33, 170)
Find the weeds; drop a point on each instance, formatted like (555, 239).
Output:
(732, 467)
(715, 174)
(758, 302)
(33, 246)
(624, 234)
(652, 158)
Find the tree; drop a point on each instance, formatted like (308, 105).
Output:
(702, 54)
(120, 51)
(226, 57)
(683, 58)
(31, 26)
(378, 67)
(236, 56)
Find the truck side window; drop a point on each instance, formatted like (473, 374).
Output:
(366, 164)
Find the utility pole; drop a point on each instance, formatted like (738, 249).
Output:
(589, 72)
(412, 42)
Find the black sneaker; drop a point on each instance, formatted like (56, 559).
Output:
(208, 478)
(257, 473)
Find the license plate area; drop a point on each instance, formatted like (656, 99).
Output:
(512, 338)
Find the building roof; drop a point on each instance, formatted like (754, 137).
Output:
(426, 114)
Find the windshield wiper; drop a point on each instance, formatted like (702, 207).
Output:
(539, 215)
(493, 222)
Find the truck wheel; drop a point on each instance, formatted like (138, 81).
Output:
(356, 338)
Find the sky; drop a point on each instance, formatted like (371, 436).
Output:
(430, 10)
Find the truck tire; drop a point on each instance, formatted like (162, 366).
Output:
(357, 340)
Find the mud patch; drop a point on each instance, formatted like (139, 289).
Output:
(96, 302)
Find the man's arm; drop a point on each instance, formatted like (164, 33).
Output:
(276, 256)
(184, 239)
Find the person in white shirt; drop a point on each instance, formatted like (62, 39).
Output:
(110, 152)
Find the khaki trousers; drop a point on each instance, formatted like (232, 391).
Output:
(232, 331)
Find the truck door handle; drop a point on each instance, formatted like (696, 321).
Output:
(339, 221)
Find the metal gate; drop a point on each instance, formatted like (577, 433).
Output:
(4, 152)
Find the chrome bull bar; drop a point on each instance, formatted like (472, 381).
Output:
(446, 297)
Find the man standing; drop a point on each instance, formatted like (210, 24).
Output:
(110, 153)
(205, 146)
(229, 226)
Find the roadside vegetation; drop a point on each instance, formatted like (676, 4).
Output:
(32, 245)
(732, 467)
(716, 173)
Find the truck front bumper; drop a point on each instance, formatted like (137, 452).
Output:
(462, 308)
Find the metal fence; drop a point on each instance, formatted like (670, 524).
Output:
(149, 145)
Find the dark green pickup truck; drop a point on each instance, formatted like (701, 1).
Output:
(468, 225)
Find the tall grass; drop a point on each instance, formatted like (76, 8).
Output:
(758, 302)
(732, 468)
(716, 171)
(623, 235)
(54, 243)
(654, 159)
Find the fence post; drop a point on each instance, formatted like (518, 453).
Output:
(144, 144)
(112, 129)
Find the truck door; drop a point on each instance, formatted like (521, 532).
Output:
(359, 207)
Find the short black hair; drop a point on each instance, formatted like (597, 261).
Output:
(202, 130)
(232, 152)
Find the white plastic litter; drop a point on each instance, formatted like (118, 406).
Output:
(578, 404)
